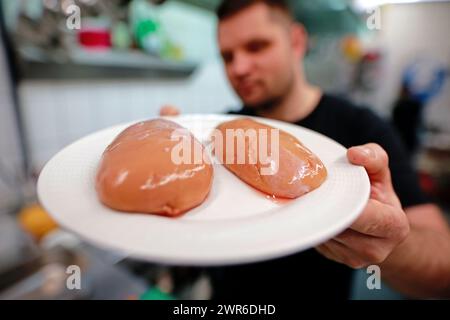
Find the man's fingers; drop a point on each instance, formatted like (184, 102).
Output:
(338, 252)
(381, 220)
(323, 250)
(374, 159)
(327, 252)
(168, 110)
(372, 249)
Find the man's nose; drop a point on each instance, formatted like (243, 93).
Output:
(242, 65)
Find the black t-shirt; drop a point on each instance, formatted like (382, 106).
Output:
(308, 274)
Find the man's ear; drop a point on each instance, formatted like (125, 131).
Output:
(299, 39)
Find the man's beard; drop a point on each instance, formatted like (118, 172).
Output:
(266, 105)
(273, 101)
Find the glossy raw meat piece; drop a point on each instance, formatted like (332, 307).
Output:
(299, 170)
(137, 172)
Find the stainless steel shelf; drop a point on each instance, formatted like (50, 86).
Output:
(84, 64)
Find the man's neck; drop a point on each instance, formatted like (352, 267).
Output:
(301, 101)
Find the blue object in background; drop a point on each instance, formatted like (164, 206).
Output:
(425, 79)
(361, 292)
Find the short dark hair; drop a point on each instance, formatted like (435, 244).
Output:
(229, 8)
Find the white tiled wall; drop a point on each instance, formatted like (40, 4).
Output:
(57, 113)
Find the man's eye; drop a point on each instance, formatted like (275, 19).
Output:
(227, 57)
(257, 46)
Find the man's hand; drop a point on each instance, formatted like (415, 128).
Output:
(381, 227)
(169, 110)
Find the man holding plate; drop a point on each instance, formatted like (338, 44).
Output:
(399, 230)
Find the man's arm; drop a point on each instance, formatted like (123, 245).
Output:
(412, 247)
(412, 250)
(420, 265)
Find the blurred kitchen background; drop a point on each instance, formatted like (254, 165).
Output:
(130, 57)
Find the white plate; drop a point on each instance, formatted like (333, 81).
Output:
(236, 224)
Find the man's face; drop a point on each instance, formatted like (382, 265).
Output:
(258, 54)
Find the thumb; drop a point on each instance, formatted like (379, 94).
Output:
(374, 159)
(169, 110)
